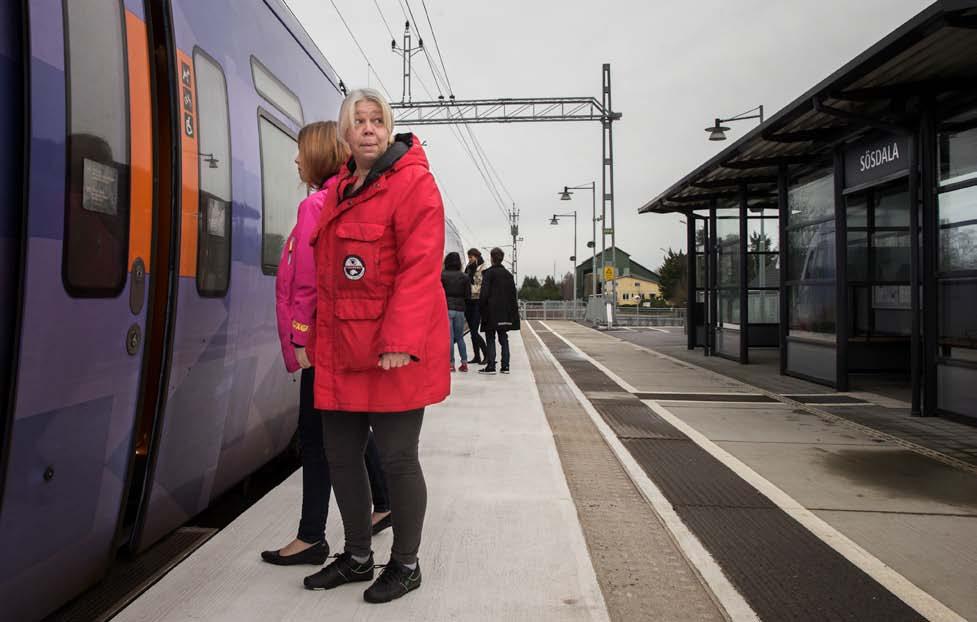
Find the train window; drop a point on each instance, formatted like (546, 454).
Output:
(281, 189)
(273, 90)
(214, 134)
(96, 237)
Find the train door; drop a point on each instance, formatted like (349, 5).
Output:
(186, 424)
(11, 205)
(88, 235)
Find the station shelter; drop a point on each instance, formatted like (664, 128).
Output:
(842, 232)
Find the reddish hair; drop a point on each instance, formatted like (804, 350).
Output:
(321, 152)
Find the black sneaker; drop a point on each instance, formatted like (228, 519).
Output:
(505, 369)
(395, 581)
(317, 554)
(487, 370)
(342, 571)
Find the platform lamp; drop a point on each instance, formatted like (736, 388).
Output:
(573, 258)
(718, 130)
(594, 219)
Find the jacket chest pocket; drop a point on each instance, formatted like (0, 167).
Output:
(358, 254)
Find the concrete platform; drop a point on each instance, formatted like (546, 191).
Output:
(502, 540)
(915, 514)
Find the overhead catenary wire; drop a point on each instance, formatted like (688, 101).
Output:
(442, 77)
(437, 47)
(493, 191)
(369, 64)
(384, 19)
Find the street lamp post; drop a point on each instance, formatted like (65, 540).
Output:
(718, 131)
(573, 258)
(565, 196)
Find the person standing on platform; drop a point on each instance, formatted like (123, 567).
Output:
(319, 157)
(474, 269)
(457, 290)
(381, 324)
(499, 308)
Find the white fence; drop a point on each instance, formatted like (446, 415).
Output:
(595, 312)
(551, 309)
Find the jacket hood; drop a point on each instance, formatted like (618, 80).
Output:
(405, 151)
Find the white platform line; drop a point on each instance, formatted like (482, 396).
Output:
(728, 597)
(914, 596)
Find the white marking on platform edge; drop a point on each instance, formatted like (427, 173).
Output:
(914, 596)
(729, 598)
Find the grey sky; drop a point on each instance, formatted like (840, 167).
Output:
(675, 66)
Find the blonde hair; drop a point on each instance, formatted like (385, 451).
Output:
(347, 112)
(321, 152)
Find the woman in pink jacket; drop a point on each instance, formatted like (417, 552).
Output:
(319, 158)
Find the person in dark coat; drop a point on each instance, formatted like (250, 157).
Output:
(457, 289)
(499, 310)
(476, 266)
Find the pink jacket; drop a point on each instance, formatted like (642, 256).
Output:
(295, 285)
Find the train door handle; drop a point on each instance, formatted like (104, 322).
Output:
(137, 290)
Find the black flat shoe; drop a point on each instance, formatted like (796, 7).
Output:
(382, 524)
(316, 555)
(342, 571)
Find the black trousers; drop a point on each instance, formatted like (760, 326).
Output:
(315, 468)
(490, 349)
(474, 318)
(316, 483)
(397, 435)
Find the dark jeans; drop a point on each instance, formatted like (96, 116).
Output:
(315, 468)
(490, 348)
(474, 318)
(397, 435)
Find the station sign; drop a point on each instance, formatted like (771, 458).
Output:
(877, 158)
(608, 273)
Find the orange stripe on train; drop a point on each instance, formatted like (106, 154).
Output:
(141, 142)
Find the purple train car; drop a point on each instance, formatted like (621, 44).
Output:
(146, 187)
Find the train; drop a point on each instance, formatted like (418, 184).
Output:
(146, 186)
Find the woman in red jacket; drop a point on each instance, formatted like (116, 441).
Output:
(381, 352)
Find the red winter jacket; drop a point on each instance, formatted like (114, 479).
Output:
(295, 283)
(378, 271)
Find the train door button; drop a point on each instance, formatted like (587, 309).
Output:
(133, 339)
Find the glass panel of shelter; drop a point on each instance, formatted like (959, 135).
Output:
(701, 300)
(879, 306)
(956, 276)
(763, 273)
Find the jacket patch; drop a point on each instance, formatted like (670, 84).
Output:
(353, 268)
(302, 328)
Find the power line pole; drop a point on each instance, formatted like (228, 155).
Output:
(407, 52)
(533, 109)
(608, 187)
(514, 230)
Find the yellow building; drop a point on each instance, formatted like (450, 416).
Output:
(631, 290)
(635, 283)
